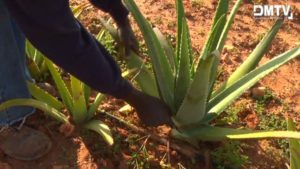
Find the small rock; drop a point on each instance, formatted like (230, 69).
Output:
(258, 92)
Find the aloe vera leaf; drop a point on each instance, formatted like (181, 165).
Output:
(36, 104)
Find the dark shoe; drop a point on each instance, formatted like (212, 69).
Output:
(24, 144)
(151, 110)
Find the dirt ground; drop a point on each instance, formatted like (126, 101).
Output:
(86, 150)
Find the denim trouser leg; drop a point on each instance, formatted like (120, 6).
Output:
(13, 73)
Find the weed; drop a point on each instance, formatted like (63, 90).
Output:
(171, 24)
(197, 3)
(232, 49)
(229, 156)
(109, 43)
(271, 121)
(140, 159)
(158, 21)
(259, 37)
(117, 146)
(172, 39)
(230, 116)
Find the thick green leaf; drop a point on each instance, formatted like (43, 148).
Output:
(214, 38)
(294, 147)
(30, 50)
(61, 86)
(162, 69)
(210, 46)
(102, 129)
(252, 61)
(221, 42)
(79, 104)
(193, 107)
(94, 106)
(216, 28)
(34, 70)
(44, 96)
(226, 97)
(180, 16)
(39, 58)
(32, 53)
(169, 51)
(222, 9)
(144, 77)
(210, 133)
(87, 93)
(36, 104)
(182, 24)
(36, 65)
(43, 66)
(183, 73)
(228, 24)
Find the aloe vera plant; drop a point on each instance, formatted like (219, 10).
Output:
(36, 66)
(75, 99)
(186, 83)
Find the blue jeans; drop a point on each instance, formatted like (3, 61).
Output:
(13, 73)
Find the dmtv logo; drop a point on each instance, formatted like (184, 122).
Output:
(272, 11)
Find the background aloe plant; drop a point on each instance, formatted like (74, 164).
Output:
(36, 63)
(187, 83)
(75, 101)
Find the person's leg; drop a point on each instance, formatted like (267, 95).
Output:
(12, 69)
(21, 143)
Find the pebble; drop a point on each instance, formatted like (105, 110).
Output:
(258, 92)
